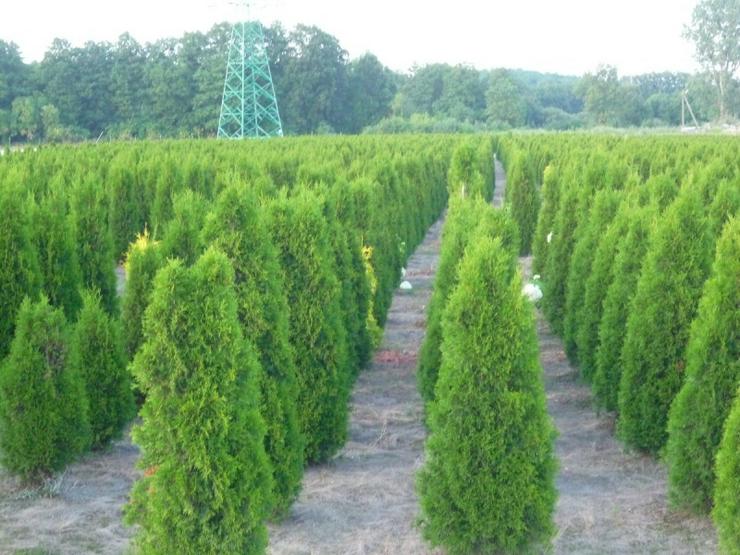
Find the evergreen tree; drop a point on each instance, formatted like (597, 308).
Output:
(207, 482)
(712, 376)
(319, 340)
(54, 241)
(523, 197)
(127, 206)
(550, 194)
(726, 511)
(605, 204)
(43, 407)
(181, 238)
(19, 271)
(143, 260)
(613, 325)
(237, 227)
(665, 303)
(95, 249)
(96, 354)
(488, 483)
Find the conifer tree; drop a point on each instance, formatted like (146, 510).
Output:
(319, 340)
(181, 237)
(712, 376)
(488, 482)
(95, 249)
(127, 205)
(726, 511)
(43, 407)
(238, 228)
(143, 260)
(19, 271)
(207, 482)
(523, 197)
(665, 303)
(96, 354)
(550, 194)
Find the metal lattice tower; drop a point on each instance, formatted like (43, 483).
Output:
(249, 106)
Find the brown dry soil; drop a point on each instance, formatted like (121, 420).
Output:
(363, 501)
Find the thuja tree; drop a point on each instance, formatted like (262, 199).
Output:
(96, 353)
(726, 513)
(597, 284)
(618, 299)
(143, 260)
(523, 197)
(237, 226)
(43, 405)
(300, 234)
(95, 249)
(550, 194)
(126, 211)
(488, 483)
(605, 204)
(464, 216)
(665, 303)
(181, 236)
(19, 271)
(466, 176)
(207, 482)
(712, 377)
(54, 241)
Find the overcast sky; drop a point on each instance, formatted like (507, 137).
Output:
(561, 36)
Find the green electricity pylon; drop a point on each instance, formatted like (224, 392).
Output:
(249, 106)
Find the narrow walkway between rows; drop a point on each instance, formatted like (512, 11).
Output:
(364, 500)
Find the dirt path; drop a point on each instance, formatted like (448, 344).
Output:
(363, 501)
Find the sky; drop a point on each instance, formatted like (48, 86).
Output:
(558, 36)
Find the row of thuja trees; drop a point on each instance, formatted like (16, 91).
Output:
(257, 278)
(638, 244)
(487, 485)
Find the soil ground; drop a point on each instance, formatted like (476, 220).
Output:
(363, 501)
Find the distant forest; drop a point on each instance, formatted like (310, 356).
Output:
(173, 87)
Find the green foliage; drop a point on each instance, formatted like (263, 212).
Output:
(237, 227)
(613, 325)
(96, 354)
(712, 376)
(54, 241)
(607, 240)
(550, 194)
(143, 260)
(726, 511)
(95, 249)
(207, 482)
(523, 197)
(319, 339)
(463, 218)
(665, 303)
(506, 101)
(19, 271)
(126, 216)
(43, 406)
(468, 171)
(488, 483)
(181, 238)
(603, 209)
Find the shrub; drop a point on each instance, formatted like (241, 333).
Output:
(464, 217)
(597, 284)
(143, 259)
(181, 238)
(712, 376)
(207, 482)
(54, 241)
(523, 197)
(96, 354)
(238, 228)
(613, 325)
(488, 483)
(43, 407)
(550, 194)
(665, 303)
(319, 340)
(126, 211)
(726, 511)
(19, 271)
(466, 175)
(95, 249)
(605, 204)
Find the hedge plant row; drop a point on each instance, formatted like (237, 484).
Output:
(636, 241)
(253, 282)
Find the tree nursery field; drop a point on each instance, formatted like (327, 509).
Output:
(188, 320)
